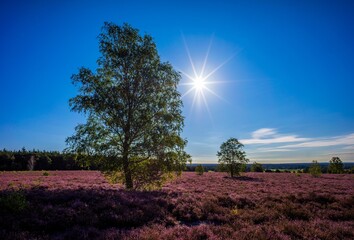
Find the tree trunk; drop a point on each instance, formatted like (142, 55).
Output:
(127, 173)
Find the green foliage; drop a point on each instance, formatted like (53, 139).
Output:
(151, 174)
(38, 160)
(45, 173)
(243, 167)
(114, 177)
(133, 109)
(257, 167)
(199, 169)
(189, 160)
(232, 158)
(13, 202)
(335, 165)
(147, 176)
(315, 169)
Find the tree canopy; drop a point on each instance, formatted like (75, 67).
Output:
(199, 169)
(232, 156)
(335, 165)
(315, 169)
(133, 108)
(257, 167)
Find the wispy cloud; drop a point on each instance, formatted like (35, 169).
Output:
(349, 147)
(274, 150)
(291, 142)
(270, 136)
(325, 142)
(263, 132)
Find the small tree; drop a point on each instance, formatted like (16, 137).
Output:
(189, 160)
(257, 167)
(232, 157)
(199, 169)
(335, 165)
(315, 169)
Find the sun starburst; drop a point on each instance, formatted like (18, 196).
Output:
(199, 82)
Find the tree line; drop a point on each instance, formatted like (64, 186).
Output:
(23, 159)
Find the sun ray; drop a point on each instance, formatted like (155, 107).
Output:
(194, 100)
(205, 83)
(216, 95)
(187, 75)
(187, 84)
(207, 106)
(189, 56)
(186, 93)
(220, 66)
(206, 56)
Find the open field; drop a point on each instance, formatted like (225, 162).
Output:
(83, 205)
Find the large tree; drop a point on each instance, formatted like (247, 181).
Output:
(232, 157)
(133, 108)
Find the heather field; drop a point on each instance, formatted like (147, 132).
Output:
(83, 205)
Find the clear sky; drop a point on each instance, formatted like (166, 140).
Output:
(284, 71)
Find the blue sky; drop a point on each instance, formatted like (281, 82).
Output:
(285, 88)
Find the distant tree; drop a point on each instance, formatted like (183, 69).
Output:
(315, 169)
(31, 162)
(133, 109)
(232, 157)
(190, 161)
(257, 167)
(335, 165)
(199, 169)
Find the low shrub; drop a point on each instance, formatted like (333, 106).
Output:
(315, 169)
(13, 202)
(199, 169)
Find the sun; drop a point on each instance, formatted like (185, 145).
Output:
(199, 82)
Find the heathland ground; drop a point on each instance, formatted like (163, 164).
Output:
(84, 205)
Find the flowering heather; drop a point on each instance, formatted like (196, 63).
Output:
(55, 180)
(83, 205)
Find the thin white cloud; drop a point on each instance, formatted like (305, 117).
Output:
(349, 147)
(274, 150)
(270, 136)
(263, 132)
(325, 142)
(290, 143)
